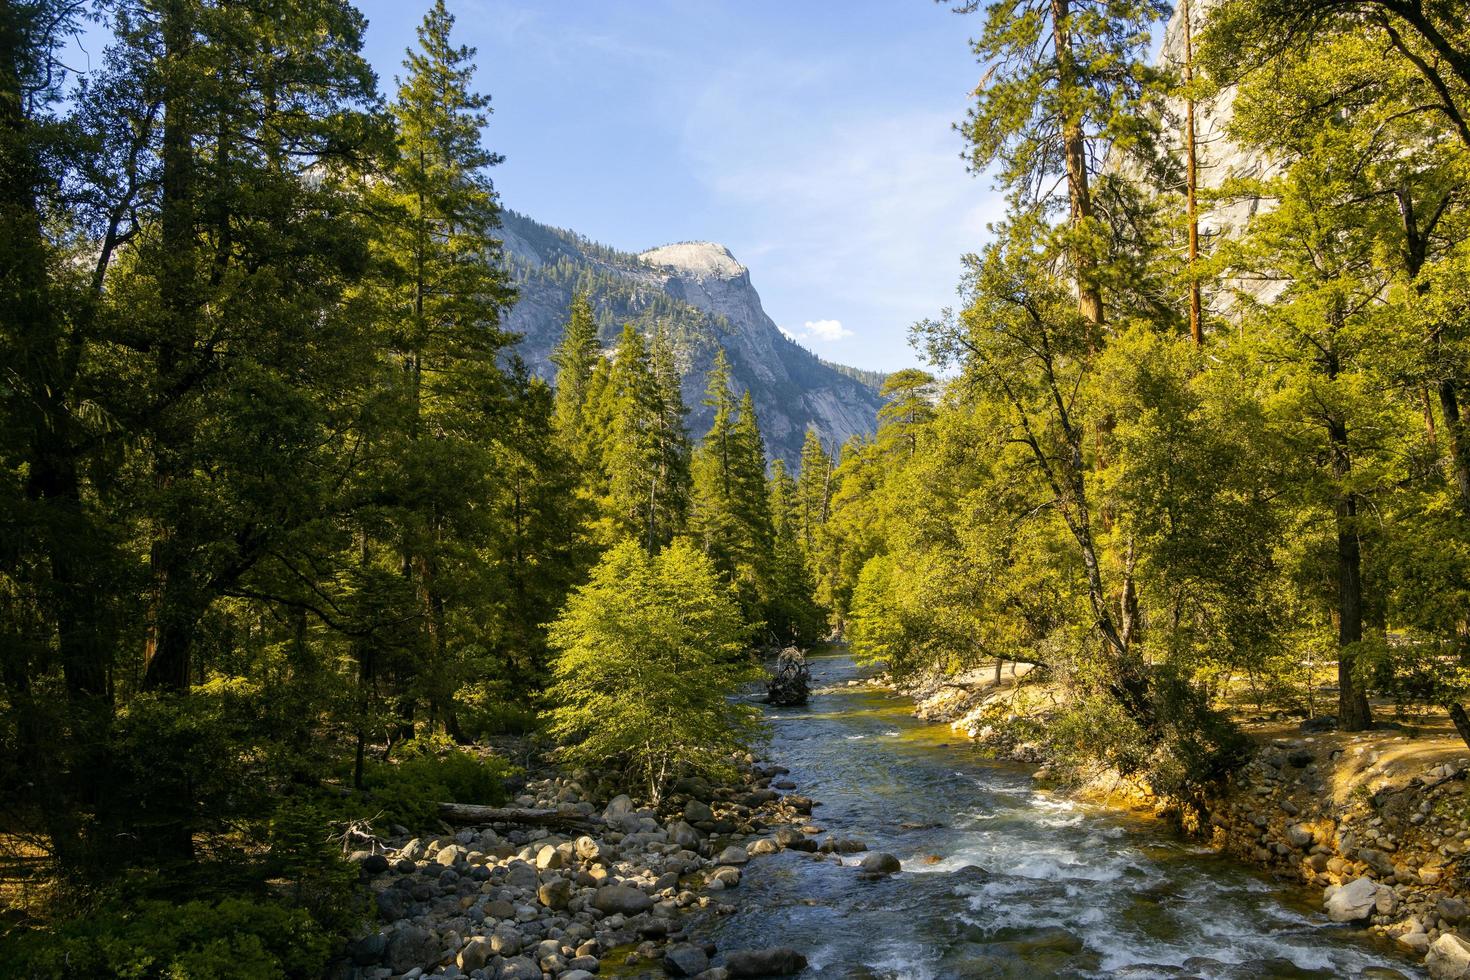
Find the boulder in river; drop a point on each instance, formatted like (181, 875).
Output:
(880, 863)
(780, 961)
(790, 684)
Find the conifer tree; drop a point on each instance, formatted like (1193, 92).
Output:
(575, 358)
(1065, 80)
(814, 490)
(645, 449)
(791, 611)
(443, 297)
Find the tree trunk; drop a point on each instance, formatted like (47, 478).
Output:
(1196, 328)
(1354, 714)
(1461, 720)
(474, 813)
(1458, 439)
(1074, 148)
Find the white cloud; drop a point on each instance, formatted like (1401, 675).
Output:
(827, 329)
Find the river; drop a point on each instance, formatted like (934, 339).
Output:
(1001, 878)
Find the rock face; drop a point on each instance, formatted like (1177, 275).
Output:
(705, 300)
(1217, 157)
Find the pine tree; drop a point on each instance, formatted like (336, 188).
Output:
(791, 612)
(814, 490)
(1065, 80)
(645, 450)
(909, 405)
(575, 358)
(443, 299)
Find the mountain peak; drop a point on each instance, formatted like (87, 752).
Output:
(703, 260)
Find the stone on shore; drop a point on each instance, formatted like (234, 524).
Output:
(1353, 902)
(1449, 958)
(685, 960)
(622, 899)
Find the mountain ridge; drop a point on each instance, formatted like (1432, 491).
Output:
(704, 299)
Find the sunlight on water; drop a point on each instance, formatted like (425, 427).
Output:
(1002, 879)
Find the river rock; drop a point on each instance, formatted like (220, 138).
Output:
(549, 859)
(619, 806)
(1299, 835)
(475, 955)
(697, 812)
(794, 840)
(727, 876)
(1449, 958)
(1352, 902)
(505, 940)
(520, 968)
(393, 904)
(1451, 909)
(880, 863)
(588, 849)
(694, 786)
(411, 946)
(373, 864)
(519, 874)
(734, 854)
(684, 835)
(685, 960)
(763, 846)
(778, 962)
(555, 894)
(369, 949)
(621, 899)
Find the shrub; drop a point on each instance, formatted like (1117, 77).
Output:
(432, 769)
(234, 939)
(650, 652)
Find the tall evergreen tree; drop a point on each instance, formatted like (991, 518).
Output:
(1065, 81)
(442, 295)
(575, 358)
(645, 448)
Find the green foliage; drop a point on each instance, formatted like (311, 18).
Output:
(429, 770)
(199, 940)
(651, 652)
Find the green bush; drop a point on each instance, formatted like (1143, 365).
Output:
(234, 939)
(648, 653)
(1186, 745)
(429, 770)
(490, 708)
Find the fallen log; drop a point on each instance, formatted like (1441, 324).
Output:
(475, 813)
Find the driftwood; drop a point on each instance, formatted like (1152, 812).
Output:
(789, 685)
(474, 813)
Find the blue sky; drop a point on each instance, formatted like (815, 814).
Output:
(812, 138)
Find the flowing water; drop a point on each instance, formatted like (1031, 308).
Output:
(1002, 879)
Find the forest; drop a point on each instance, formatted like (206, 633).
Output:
(290, 534)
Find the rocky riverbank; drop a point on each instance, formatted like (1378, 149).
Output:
(1377, 820)
(608, 888)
